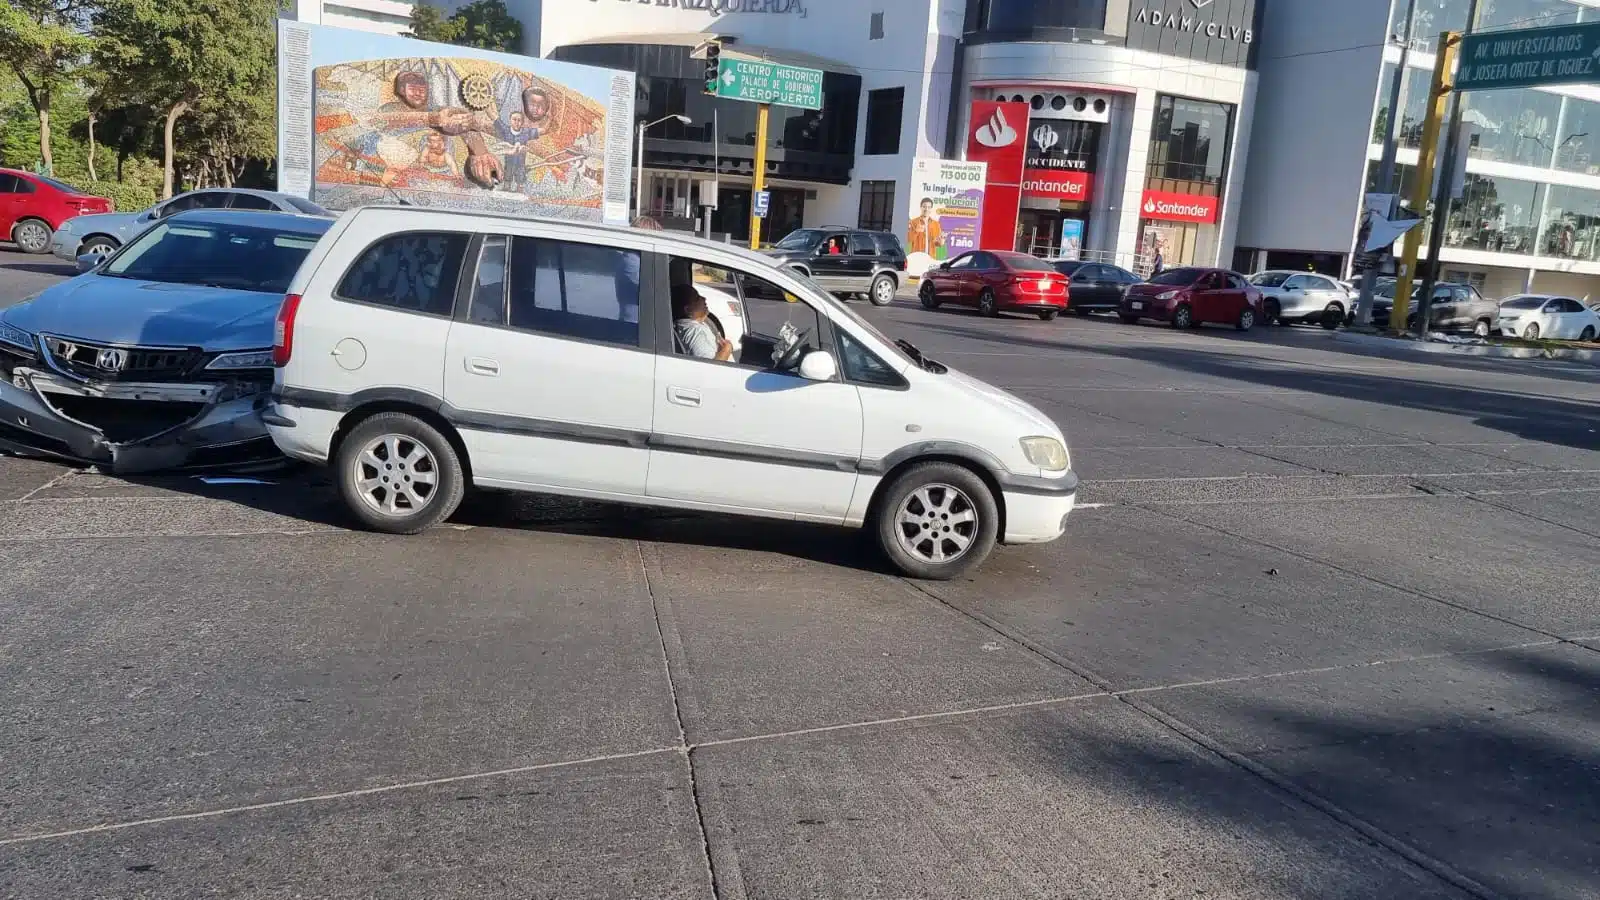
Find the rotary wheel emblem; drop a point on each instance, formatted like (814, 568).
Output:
(476, 92)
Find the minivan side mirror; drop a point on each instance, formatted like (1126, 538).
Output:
(87, 261)
(819, 365)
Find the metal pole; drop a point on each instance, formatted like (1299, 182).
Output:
(1386, 185)
(638, 185)
(716, 169)
(1442, 199)
(760, 183)
(1427, 156)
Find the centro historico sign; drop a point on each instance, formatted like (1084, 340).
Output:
(725, 7)
(1561, 54)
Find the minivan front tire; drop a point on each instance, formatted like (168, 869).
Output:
(398, 474)
(936, 521)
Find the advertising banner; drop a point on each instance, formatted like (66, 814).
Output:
(1071, 238)
(995, 137)
(946, 211)
(1170, 207)
(366, 118)
(1061, 159)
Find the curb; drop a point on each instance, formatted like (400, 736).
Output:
(1394, 348)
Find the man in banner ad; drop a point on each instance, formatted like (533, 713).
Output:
(946, 212)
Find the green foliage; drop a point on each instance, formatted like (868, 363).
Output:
(43, 43)
(127, 195)
(483, 23)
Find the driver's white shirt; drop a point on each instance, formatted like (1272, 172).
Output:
(698, 337)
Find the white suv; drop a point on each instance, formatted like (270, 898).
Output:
(422, 352)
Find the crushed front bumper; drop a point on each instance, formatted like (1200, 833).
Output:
(216, 427)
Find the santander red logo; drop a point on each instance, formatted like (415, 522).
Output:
(996, 132)
(1179, 207)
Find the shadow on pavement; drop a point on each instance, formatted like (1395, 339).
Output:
(1501, 782)
(1527, 416)
(66, 270)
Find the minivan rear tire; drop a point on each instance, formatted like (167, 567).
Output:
(954, 490)
(421, 447)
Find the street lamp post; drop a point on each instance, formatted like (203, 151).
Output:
(638, 193)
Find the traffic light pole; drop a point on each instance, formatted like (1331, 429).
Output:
(760, 182)
(1445, 192)
(1443, 65)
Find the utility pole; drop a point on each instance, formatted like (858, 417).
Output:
(1386, 182)
(760, 173)
(1443, 65)
(1443, 197)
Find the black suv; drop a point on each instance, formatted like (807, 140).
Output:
(846, 260)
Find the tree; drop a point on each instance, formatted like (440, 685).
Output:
(44, 43)
(483, 23)
(179, 54)
(429, 23)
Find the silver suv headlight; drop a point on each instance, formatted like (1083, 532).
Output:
(1047, 453)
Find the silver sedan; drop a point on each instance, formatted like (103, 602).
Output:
(103, 233)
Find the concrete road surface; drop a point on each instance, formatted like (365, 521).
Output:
(1325, 627)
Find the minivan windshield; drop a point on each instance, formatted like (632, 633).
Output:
(1177, 276)
(799, 240)
(233, 256)
(1269, 279)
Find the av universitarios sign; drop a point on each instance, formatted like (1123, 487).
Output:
(1561, 54)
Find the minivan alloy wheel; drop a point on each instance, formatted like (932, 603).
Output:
(936, 523)
(395, 475)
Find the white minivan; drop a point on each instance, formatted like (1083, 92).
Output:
(421, 353)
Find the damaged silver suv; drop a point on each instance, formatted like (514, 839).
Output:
(160, 356)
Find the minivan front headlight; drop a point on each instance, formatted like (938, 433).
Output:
(1046, 452)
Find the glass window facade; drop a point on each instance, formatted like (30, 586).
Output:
(1022, 16)
(1516, 127)
(1434, 16)
(1495, 214)
(1189, 146)
(1578, 143)
(1572, 224)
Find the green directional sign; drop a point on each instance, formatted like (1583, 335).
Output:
(1561, 54)
(764, 82)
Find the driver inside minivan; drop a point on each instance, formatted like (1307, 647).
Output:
(689, 322)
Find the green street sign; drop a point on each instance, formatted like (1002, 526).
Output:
(1561, 54)
(763, 82)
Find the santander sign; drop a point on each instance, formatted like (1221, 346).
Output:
(1172, 207)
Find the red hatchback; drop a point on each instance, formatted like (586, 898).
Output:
(1189, 297)
(997, 281)
(32, 207)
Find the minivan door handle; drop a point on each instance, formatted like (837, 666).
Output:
(683, 396)
(479, 365)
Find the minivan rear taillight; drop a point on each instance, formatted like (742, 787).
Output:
(283, 330)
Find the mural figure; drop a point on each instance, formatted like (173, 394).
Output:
(456, 133)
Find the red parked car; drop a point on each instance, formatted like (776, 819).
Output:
(32, 207)
(1189, 297)
(997, 281)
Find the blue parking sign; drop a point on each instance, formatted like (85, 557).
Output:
(763, 202)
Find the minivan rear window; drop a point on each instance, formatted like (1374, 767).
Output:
(415, 272)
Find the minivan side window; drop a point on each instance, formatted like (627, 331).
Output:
(582, 291)
(415, 272)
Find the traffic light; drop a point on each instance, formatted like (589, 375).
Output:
(713, 65)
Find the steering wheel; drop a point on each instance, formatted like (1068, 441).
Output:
(789, 357)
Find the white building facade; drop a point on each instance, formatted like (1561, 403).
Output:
(377, 16)
(1146, 103)
(1529, 217)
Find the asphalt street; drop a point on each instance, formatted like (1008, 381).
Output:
(1326, 626)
